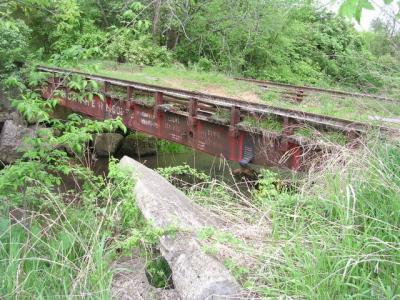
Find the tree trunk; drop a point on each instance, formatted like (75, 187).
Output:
(156, 20)
(172, 39)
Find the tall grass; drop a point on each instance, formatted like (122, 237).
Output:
(61, 245)
(175, 76)
(336, 237)
(47, 256)
(341, 237)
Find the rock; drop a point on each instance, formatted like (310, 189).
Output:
(4, 116)
(14, 116)
(163, 204)
(139, 144)
(18, 119)
(130, 282)
(106, 144)
(196, 275)
(5, 96)
(12, 141)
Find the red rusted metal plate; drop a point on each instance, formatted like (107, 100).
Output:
(191, 130)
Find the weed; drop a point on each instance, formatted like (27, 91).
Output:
(356, 109)
(270, 123)
(145, 99)
(222, 115)
(164, 146)
(170, 76)
(335, 137)
(236, 270)
(159, 273)
(270, 96)
(64, 240)
(307, 132)
(184, 170)
(341, 238)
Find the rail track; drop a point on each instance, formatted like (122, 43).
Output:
(227, 102)
(298, 92)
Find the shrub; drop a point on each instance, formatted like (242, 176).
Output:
(126, 47)
(14, 44)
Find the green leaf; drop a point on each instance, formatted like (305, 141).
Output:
(354, 8)
(348, 8)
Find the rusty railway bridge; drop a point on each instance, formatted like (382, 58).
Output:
(204, 122)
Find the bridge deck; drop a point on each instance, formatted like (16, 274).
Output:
(217, 125)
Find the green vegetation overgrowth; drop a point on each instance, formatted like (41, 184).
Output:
(56, 241)
(341, 237)
(334, 234)
(289, 41)
(61, 225)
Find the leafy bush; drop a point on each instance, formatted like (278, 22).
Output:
(73, 232)
(33, 108)
(67, 25)
(126, 47)
(184, 170)
(14, 44)
(203, 64)
(69, 56)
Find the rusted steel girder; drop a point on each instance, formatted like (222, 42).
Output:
(257, 108)
(188, 118)
(192, 129)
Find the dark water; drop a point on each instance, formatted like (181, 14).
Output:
(217, 168)
(213, 166)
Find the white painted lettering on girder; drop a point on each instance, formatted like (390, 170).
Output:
(175, 137)
(115, 110)
(149, 123)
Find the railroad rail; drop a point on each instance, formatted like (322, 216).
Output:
(299, 92)
(209, 123)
